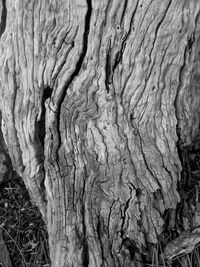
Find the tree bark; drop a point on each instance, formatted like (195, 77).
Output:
(95, 96)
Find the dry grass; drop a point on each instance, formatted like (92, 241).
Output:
(26, 237)
(24, 231)
(186, 260)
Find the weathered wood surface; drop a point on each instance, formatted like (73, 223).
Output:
(95, 96)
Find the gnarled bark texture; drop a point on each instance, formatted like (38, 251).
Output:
(94, 97)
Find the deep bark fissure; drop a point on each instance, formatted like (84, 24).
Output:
(191, 41)
(123, 217)
(40, 124)
(3, 18)
(85, 251)
(78, 66)
(119, 55)
(99, 230)
(83, 238)
(131, 246)
(108, 71)
(123, 13)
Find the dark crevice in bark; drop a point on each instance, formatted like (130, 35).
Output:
(138, 192)
(99, 233)
(3, 18)
(108, 71)
(40, 132)
(109, 217)
(132, 19)
(78, 64)
(40, 125)
(131, 246)
(191, 41)
(124, 217)
(118, 58)
(123, 13)
(85, 251)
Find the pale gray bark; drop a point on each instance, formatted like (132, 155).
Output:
(95, 96)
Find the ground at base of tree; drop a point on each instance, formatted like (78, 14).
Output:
(24, 231)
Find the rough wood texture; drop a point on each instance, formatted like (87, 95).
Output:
(94, 98)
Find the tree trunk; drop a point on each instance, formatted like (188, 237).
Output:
(95, 96)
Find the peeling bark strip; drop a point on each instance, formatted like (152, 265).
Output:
(92, 93)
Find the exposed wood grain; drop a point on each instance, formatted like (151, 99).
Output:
(94, 98)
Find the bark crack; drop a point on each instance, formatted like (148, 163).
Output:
(156, 31)
(118, 58)
(123, 216)
(108, 71)
(78, 64)
(40, 124)
(85, 251)
(3, 18)
(99, 237)
(124, 10)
